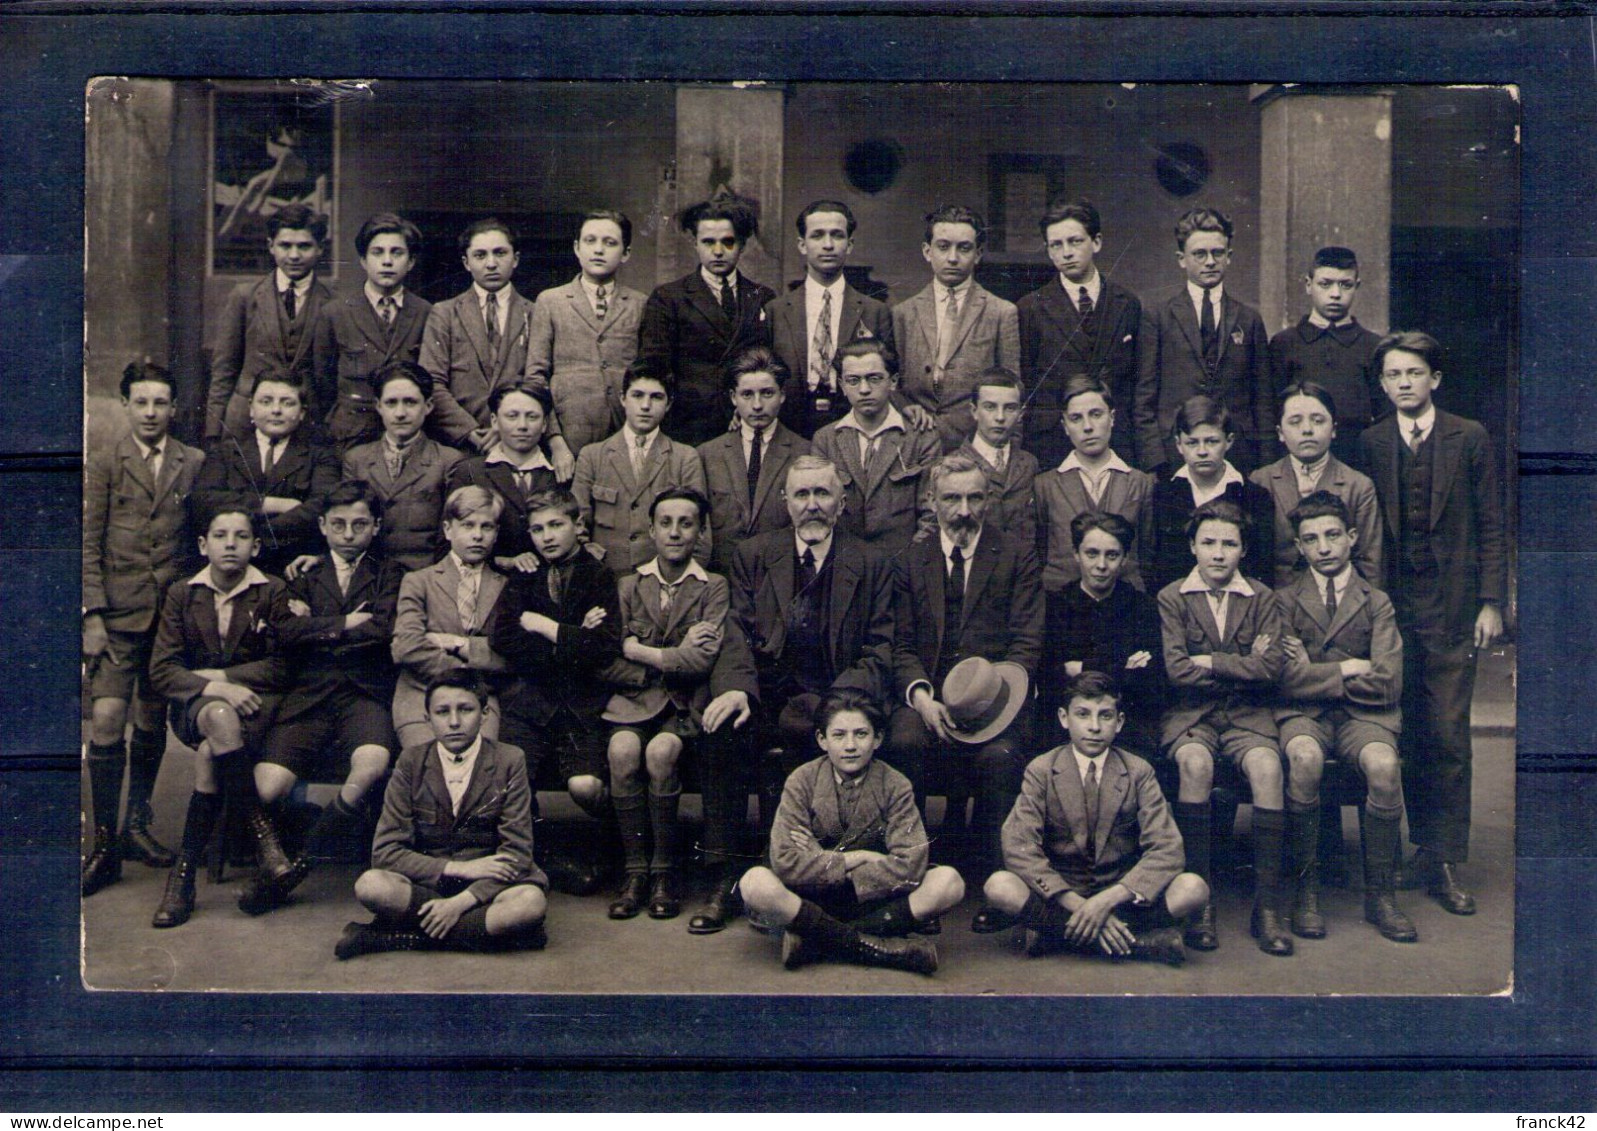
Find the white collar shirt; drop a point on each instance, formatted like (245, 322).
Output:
(1308, 476)
(270, 450)
(1426, 421)
(343, 571)
(820, 550)
(302, 287)
(501, 305)
(668, 589)
(1219, 604)
(997, 458)
(1094, 482)
(375, 297)
(153, 455)
(225, 600)
(457, 770)
(532, 461)
(1093, 286)
(890, 420)
(961, 295)
(1201, 495)
(965, 552)
(1217, 295)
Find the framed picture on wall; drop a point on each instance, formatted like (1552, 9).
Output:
(272, 145)
(1019, 187)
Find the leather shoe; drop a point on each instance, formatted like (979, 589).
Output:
(1415, 873)
(104, 865)
(634, 894)
(991, 920)
(1163, 945)
(573, 877)
(138, 844)
(1201, 933)
(1381, 909)
(1307, 922)
(928, 927)
(794, 952)
(1267, 928)
(725, 904)
(665, 896)
(177, 901)
(1445, 890)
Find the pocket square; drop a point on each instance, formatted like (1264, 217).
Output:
(1125, 339)
(1236, 337)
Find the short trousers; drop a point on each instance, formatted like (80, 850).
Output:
(123, 667)
(256, 728)
(1216, 735)
(1337, 732)
(580, 747)
(322, 739)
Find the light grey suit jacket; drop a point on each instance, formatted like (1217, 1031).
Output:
(615, 503)
(466, 369)
(1353, 487)
(581, 359)
(988, 334)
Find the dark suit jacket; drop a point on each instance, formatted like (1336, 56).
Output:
(413, 504)
(686, 334)
(859, 614)
(1243, 683)
(306, 471)
(1136, 841)
(514, 538)
(1001, 618)
(1103, 636)
(1364, 628)
(327, 659)
(726, 474)
(1171, 369)
(988, 335)
(1466, 533)
(1352, 487)
(466, 371)
(562, 674)
(1054, 347)
(884, 820)
(350, 344)
(135, 532)
(1338, 359)
(254, 337)
(785, 320)
(1167, 552)
(420, 832)
(187, 640)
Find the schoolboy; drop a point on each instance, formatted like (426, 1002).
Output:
(445, 614)
(477, 342)
(693, 326)
(338, 710)
(1203, 340)
(848, 876)
(558, 629)
(1079, 323)
(275, 471)
(879, 456)
(585, 333)
(1437, 482)
(808, 323)
(135, 495)
(1103, 623)
(616, 479)
(452, 865)
(408, 469)
(360, 333)
(217, 661)
(1329, 347)
(997, 408)
(266, 326)
(744, 469)
(1092, 859)
(1093, 477)
(1340, 692)
(515, 468)
(1222, 655)
(672, 615)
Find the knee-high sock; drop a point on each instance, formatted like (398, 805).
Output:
(1303, 834)
(891, 919)
(199, 824)
(105, 782)
(144, 764)
(632, 821)
(1193, 820)
(335, 822)
(1269, 832)
(664, 808)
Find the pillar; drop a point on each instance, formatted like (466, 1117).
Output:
(1325, 175)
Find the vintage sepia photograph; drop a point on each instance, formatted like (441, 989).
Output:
(869, 538)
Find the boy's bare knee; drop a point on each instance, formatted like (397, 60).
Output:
(1006, 891)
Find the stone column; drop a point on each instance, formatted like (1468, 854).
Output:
(730, 137)
(1325, 173)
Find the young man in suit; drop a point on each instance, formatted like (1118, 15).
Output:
(452, 865)
(585, 333)
(360, 333)
(477, 343)
(266, 326)
(217, 662)
(1340, 690)
(408, 469)
(558, 629)
(1203, 340)
(693, 326)
(516, 468)
(135, 495)
(274, 471)
(998, 408)
(969, 591)
(1080, 323)
(881, 457)
(955, 329)
(1447, 578)
(617, 479)
(1331, 349)
(338, 711)
(806, 325)
(1093, 860)
(744, 468)
(1222, 653)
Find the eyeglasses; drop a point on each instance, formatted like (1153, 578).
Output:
(874, 380)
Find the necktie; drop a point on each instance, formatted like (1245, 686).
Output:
(1217, 596)
(821, 346)
(1001, 459)
(1211, 339)
(729, 301)
(872, 446)
(754, 464)
(523, 482)
(945, 337)
(806, 573)
(956, 581)
(387, 308)
(288, 303)
(342, 572)
(601, 302)
(556, 586)
(466, 598)
(1084, 302)
(637, 456)
(152, 460)
(1089, 795)
(273, 454)
(667, 594)
(1330, 596)
(490, 316)
(1415, 437)
(394, 460)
